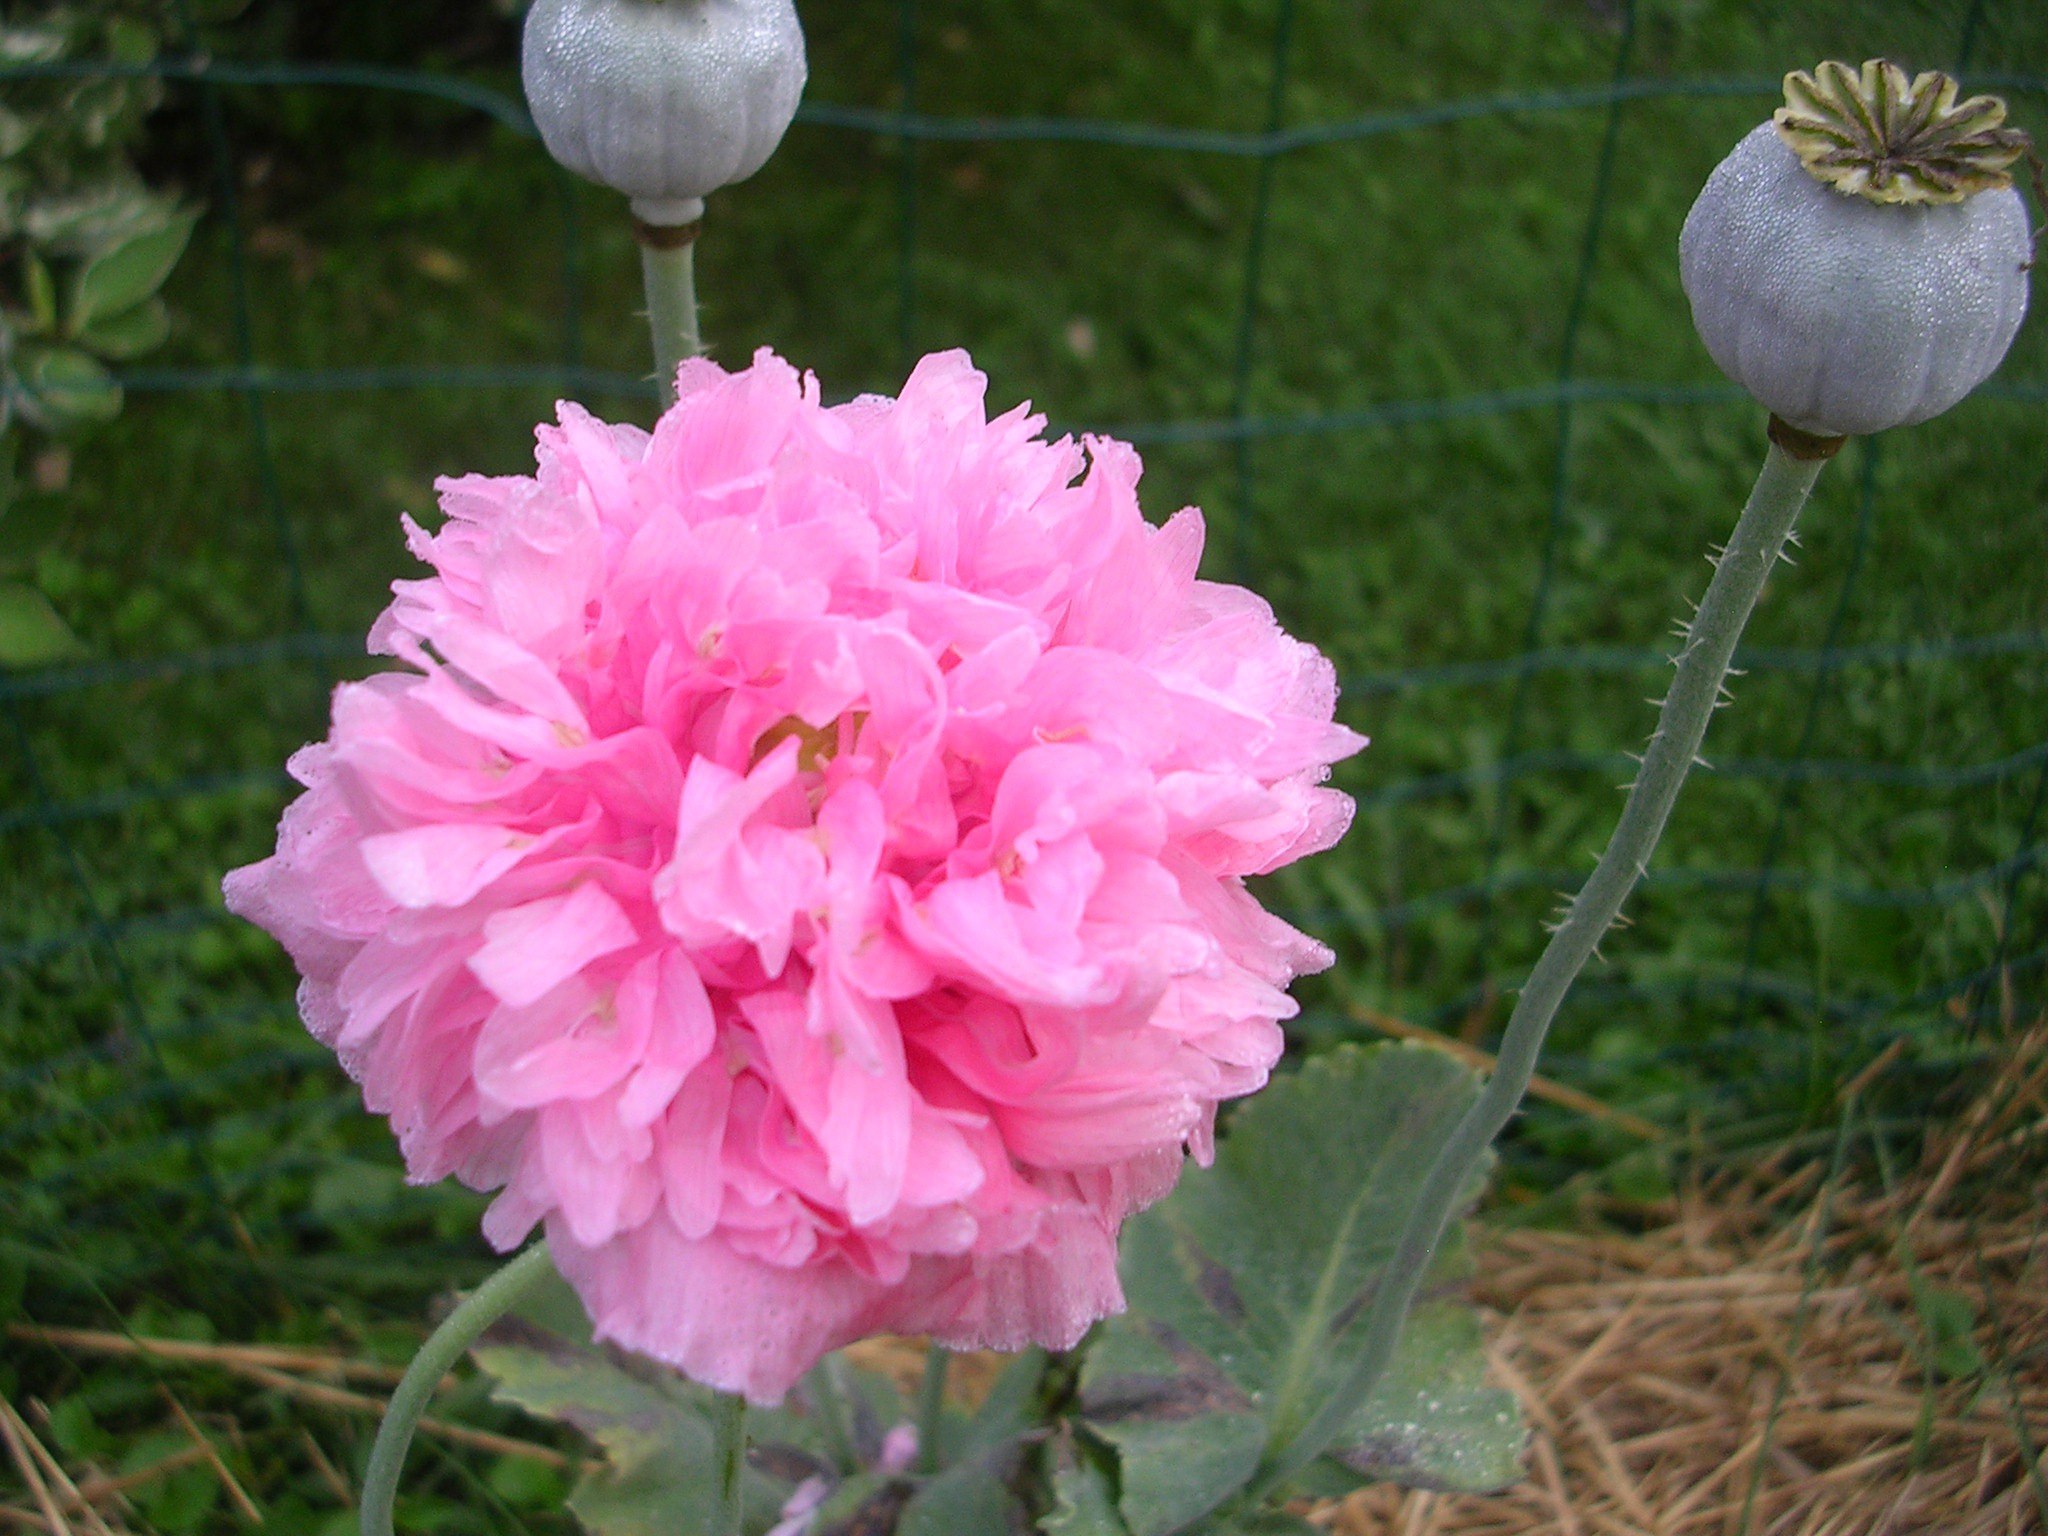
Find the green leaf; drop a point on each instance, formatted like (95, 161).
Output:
(652, 1423)
(17, 132)
(1004, 1417)
(1950, 1321)
(1432, 1422)
(1248, 1289)
(1084, 1503)
(142, 328)
(980, 1454)
(94, 219)
(72, 388)
(1267, 1522)
(130, 41)
(42, 293)
(868, 1504)
(132, 271)
(967, 1500)
(1186, 1435)
(31, 633)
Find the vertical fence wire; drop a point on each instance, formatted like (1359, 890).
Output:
(1998, 977)
(1966, 40)
(1825, 677)
(1239, 552)
(1560, 482)
(195, 1134)
(2008, 912)
(221, 152)
(571, 269)
(906, 190)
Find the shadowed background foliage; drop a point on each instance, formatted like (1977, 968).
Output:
(1388, 288)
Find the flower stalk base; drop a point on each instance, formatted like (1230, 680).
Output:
(931, 1406)
(729, 1424)
(1801, 444)
(668, 267)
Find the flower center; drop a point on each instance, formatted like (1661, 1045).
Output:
(817, 745)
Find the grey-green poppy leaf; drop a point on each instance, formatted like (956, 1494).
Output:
(1248, 1288)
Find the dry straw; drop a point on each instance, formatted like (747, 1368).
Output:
(1759, 1360)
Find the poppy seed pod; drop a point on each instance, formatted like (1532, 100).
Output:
(1860, 261)
(664, 100)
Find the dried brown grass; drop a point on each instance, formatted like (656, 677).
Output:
(1757, 1361)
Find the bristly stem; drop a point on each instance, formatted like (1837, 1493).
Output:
(668, 267)
(447, 1344)
(931, 1406)
(729, 1429)
(1791, 465)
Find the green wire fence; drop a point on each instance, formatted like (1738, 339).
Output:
(150, 1144)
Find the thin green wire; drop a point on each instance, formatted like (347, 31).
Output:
(1590, 993)
(511, 113)
(1561, 455)
(1794, 994)
(77, 677)
(1424, 411)
(1869, 451)
(242, 326)
(1239, 529)
(906, 190)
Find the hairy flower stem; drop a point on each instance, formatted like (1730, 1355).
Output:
(729, 1431)
(931, 1406)
(464, 1326)
(1791, 465)
(669, 268)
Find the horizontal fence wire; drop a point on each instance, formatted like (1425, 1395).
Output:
(1437, 786)
(1613, 660)
(132, 1066)
(510, 112)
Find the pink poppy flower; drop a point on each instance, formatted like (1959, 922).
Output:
(801, 865)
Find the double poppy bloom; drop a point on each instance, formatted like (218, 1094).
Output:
(800, 864)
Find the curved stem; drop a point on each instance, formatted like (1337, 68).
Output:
(829, 1398)
(931, 1406)
(478, 1310)
(1760, 534)
(729, 1431)
(668, 268)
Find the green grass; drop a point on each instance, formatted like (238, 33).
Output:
(181, 1156)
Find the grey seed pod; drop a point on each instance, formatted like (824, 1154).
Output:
(1854, 289)
(664, 100)
(1845, 316)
